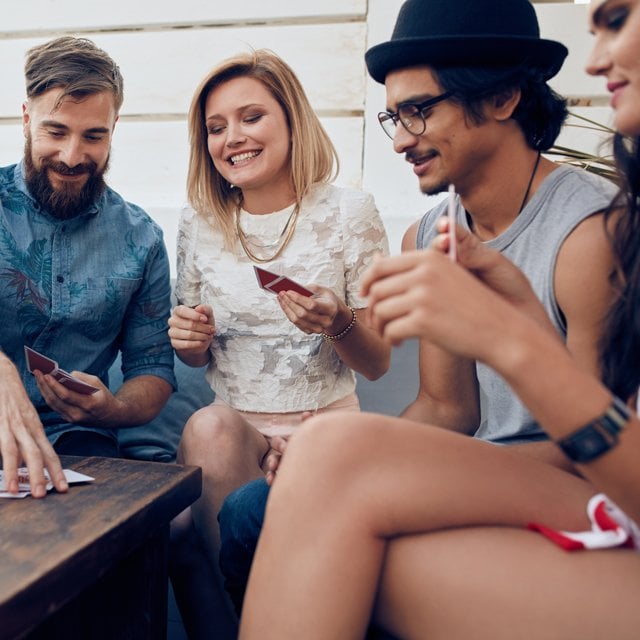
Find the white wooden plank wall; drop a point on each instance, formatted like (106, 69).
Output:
(165, 47)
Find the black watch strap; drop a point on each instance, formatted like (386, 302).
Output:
(597, 437)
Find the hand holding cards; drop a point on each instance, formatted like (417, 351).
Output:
(37, 361)
(274, 283)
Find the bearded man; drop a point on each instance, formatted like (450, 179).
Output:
(84, 275)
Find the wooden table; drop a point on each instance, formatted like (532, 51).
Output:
(92, 563)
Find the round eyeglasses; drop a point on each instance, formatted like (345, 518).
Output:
(411, 115)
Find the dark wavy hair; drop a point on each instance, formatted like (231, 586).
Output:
(540, 113)
(620, 344)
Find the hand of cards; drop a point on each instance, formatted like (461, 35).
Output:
(40, 362)
(72, 477)
(274, 283)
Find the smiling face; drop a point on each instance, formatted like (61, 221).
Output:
(451, 149)
(249, 142)
(67, 149)
(616, 55)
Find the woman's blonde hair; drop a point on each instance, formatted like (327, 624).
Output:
(313, 156)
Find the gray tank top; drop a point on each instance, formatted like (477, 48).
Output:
(565, 198)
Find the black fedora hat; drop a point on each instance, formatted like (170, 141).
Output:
(466, 33)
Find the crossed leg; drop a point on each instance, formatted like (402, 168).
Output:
(506, 584)
(351, 483)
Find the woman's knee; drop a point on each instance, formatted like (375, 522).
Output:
(207, 426)
(331, 442)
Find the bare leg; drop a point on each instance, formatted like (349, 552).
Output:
(506, 584)
(194, 584)
(349, 483)
(229, 450)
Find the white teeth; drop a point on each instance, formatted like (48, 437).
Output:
(243, 156)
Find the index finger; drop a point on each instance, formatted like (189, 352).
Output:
(206, 310)
(382, 267)
(189, 313)
(11, 459)
(38, 457)
(37, 452)
(53, 466)
(279, 443)
(306, 302)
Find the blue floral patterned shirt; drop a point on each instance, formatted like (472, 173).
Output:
(81, 290)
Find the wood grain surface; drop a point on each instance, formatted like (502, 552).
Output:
(109, 536)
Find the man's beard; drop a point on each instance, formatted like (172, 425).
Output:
(67, 201)
(430, 190)
(434, 190)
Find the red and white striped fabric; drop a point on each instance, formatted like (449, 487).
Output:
(610, 527)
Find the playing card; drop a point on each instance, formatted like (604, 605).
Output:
(75, 384)
(36, 360)
(286, 284)
(451, 214)
(72, 477)
(275, 283)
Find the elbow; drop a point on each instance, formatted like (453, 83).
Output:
(377, 369)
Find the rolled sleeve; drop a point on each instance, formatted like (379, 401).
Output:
(146, 348)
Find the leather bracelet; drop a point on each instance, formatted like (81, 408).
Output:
(336, 337)
(597, 437)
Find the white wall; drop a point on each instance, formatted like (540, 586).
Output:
(165, 47)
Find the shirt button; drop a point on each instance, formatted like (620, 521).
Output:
(60, 279)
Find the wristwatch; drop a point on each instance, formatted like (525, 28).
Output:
(597, 437)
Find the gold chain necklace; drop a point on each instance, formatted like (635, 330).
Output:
(283, 240)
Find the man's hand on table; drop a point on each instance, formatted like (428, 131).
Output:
(22, 437)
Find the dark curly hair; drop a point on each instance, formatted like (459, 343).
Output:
(540, 113)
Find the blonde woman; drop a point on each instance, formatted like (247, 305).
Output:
(260, 194)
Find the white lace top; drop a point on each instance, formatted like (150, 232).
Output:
(260, 361)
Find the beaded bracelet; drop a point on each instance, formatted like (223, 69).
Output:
(338, 336)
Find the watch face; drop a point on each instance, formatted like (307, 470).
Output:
(599, 436)
(590, 444)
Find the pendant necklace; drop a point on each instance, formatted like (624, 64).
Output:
(533, 175)
(526, 193)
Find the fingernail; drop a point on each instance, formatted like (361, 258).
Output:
(38, 491)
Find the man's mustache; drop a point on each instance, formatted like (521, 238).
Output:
(66, 170)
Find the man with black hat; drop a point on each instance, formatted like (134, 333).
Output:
(468, 105)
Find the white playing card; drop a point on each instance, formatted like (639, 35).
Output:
(72, 477)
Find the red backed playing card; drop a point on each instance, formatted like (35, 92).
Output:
(274, 283)
(40, 362)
